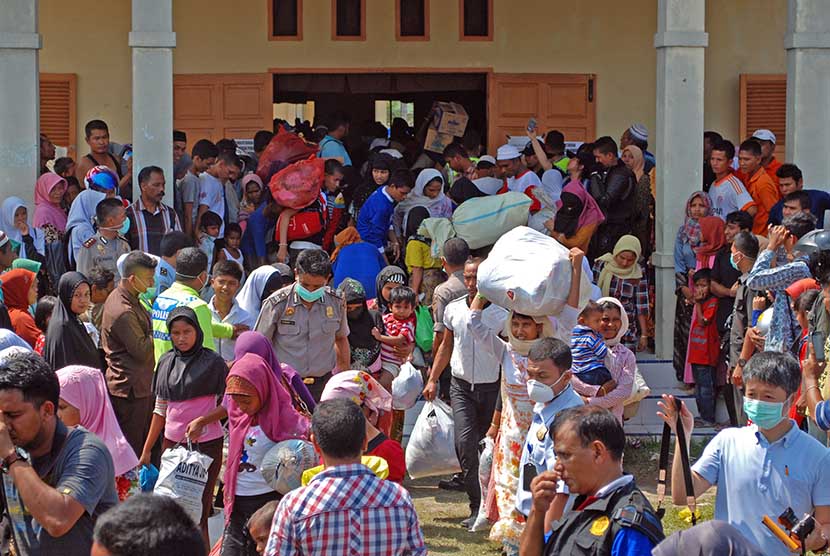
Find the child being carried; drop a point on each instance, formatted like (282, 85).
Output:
(591, 357)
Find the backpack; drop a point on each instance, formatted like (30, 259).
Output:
(309, 222)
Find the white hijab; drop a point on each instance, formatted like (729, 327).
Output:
(249, 297)
(439, 207)
(623, 317)
(9, 207)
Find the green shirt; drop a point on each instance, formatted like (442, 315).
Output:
(177, 295)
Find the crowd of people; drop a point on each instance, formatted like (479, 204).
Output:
(230, 323)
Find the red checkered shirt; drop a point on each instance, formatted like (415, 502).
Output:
(346, 510)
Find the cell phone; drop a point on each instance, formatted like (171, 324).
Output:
(818, 340)
(528, 476)
(531, 125)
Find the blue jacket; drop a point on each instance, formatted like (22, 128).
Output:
(375, 218)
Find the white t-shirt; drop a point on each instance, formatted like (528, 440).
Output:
(189, 186)
(729, 195)
(523, 181)
(211, 194)
(249, 480)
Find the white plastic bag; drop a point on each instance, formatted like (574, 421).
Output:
(534, 269)
(183, 476)
(431, 447)
(485, 466)
(406, 387)
(639, 391)
(481, 221)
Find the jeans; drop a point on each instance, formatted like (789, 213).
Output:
(705, 391)
(237, 541)
(472, 413)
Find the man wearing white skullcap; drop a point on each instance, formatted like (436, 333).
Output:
(516, 175)
(637, 135)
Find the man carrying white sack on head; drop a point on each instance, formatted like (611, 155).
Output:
(516, 415)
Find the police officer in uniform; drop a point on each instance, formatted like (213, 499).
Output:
(306, 322)
(104, 248)
(610, 515)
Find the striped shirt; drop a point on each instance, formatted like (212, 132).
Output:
(346, 511)
(588, 350)
(147, 228)
(728, 194)
(395, 327)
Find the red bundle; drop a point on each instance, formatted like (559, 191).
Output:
(298, 185)
(283, 149)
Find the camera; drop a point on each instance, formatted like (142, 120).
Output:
(794, 531)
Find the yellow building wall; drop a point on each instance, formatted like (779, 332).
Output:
(611, 39)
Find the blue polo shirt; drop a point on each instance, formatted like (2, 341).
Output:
(819, 202)
(538, 447)
(823, 415)
(165, 276)
(756, 478)
(331, 147)
(375, 218)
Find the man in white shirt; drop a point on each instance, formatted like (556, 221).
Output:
(212, 189)
(727, 193)
(227, 276)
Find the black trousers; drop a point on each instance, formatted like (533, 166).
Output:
(237, 540)
(472, 411)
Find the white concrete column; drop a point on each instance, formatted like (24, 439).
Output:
(19, 99)
(152, 41)
(680, 42)
(808, 89)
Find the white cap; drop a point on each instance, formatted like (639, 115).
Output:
(394, 153)
(507, 152)
(764, 135)
(378, 142)
(488, 158)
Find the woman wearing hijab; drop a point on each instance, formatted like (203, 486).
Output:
(613, 328)
(427, 193)
(387, 280)
(85, 401)
(643, 215)
(256, 343)
(261, 283)
(354, 258)
(378, 171)
(20, 293)
(685, 263)
(14, 220)
(67, 340)
(621, 276)
(49, 214)
(516, 413)
(577, 217)
(260, 415)
(423, 269)
(364, 348)
(376, 404)
(188, 384)
(464, 189)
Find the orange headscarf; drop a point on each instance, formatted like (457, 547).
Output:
(347, 237)
(711, 238)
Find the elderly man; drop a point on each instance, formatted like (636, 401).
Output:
(345, 509)
(771, 463)
(611, 515)
(150, 219)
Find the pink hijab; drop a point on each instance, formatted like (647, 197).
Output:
(277, 417)
(45, 211)
(591, 213)
(84, 388)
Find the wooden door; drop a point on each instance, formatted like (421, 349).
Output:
(57, 109)
(558, 101)
(217, 106)
(763, 101)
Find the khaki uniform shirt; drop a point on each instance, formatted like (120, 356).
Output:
(303, 337)
(101, 252)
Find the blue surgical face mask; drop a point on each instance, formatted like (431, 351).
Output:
(125, 227)
(310, 296)
(764, 414)
(733, 263)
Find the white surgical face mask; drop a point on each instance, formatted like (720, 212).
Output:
(539, 392)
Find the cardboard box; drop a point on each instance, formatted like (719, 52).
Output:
(436, 141)
(449, 118)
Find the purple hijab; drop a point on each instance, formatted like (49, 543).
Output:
(254, 342)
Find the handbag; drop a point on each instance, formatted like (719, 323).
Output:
(423, 328)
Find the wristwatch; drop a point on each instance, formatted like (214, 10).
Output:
(19, 454)
(741, 363)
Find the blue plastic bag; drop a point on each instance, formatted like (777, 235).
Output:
(147, 477)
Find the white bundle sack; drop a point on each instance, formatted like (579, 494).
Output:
(485, 468)
(406, 387)
(530, 273)
(183, 476)
(481, 221)
(431, 447)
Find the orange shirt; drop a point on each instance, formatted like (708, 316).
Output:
(770, 169)
(765, 194)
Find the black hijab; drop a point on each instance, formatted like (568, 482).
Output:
(184, 375)
(463, 190)
(380, 161)
(67, 341)
(414, 218)
(389, 274)
(365, 350)
(567, 217)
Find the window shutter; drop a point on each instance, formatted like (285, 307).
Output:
(764, 106)
(57, 109)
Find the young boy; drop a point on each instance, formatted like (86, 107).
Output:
(231, 251)
(375, 217)
(227, 276)
(212, 190)
(588, 347)
(704, 345)
(400, 330)
(203, 155)
(259, 525)
(209, 227)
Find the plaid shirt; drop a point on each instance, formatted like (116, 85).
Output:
(633, 294)
(346, 510)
